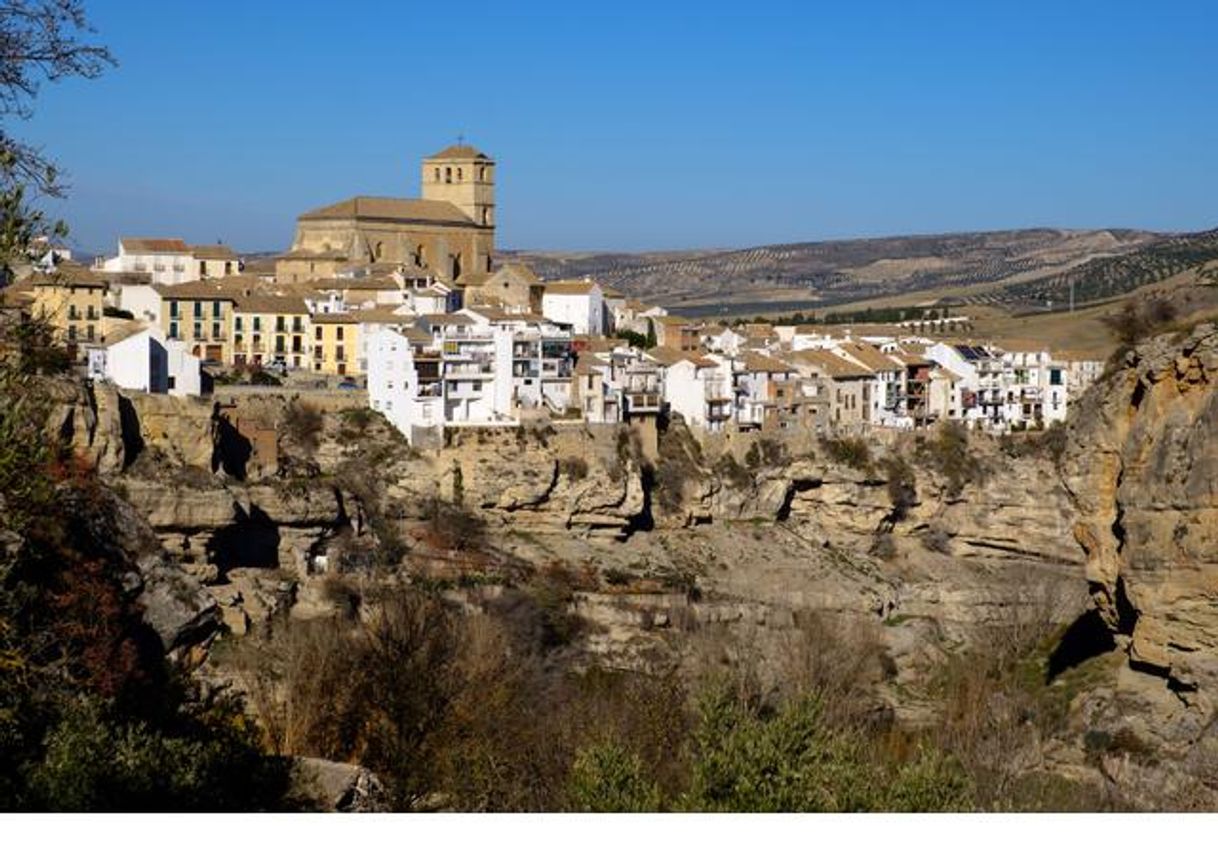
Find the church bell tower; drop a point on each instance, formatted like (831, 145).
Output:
(465, 177)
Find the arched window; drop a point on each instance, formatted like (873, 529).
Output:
(448, 174)
(459, 177)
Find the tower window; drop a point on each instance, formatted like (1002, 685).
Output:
(448, 174)
(482, 173)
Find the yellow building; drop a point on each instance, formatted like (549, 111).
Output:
(450, 230)
(70, 299)
(336, 343)
(200, 313)
(270, 329)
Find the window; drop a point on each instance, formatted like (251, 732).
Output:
(459, 176)
(482, 173)
(173, 382)
(339, 354)
(215, 330)
(281, 324)
(71, 332)
(448, 175)
(198, 310)
(279, 346)
(237, 324)
(216, 309)
(257, 324)
(198, 329)
(317, 354)
(89, 332)
(228, 267)
(202, 268)
(338, 333)
(73, 314)
(317, 333)
(437, 174)
(297, 325)
(173, 309)
(173, 330)
(379, 251)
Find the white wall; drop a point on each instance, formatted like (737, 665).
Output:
(184, 370)
(142, 301)
(584, 312)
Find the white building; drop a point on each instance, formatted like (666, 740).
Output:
(699, 389)
(579, 305)
(171, 261)
(400, 387)
(138, 357)
(140, 300)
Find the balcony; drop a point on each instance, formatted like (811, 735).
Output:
(642, 402)
(468, 370)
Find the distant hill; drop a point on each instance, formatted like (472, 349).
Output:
(1110, 277)
(838, 271)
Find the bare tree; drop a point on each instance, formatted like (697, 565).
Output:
(40, 40)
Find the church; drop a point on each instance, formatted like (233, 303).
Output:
(450, 231)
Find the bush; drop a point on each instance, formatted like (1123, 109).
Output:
(263, 378)
(609, 779)
(1136, 321)
(948, 452)
(303, 424)
(850, 451)
(574, 468)
(453, 527)
(902, 487)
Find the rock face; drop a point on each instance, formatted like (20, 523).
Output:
(1142, 470)
(337, 787)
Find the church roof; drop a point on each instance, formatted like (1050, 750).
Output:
(394, 209)
(459, 152)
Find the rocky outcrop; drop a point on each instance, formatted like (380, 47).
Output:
(1142, 471)
(338, 787)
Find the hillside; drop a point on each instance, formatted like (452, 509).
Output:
(838, 271)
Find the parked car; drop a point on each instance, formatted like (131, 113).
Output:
(347, 384)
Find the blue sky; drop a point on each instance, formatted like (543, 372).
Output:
(646, 125)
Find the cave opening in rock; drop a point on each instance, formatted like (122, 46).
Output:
(1084, 639)
(253, 541)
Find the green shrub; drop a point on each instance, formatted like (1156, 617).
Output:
(607, 778)
(850, 451)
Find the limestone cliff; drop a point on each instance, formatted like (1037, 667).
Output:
(1142, 470)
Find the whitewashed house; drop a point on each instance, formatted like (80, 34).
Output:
(138, 357)
(401, 387)
(578, 305)
(171, 261)
(697, 388)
